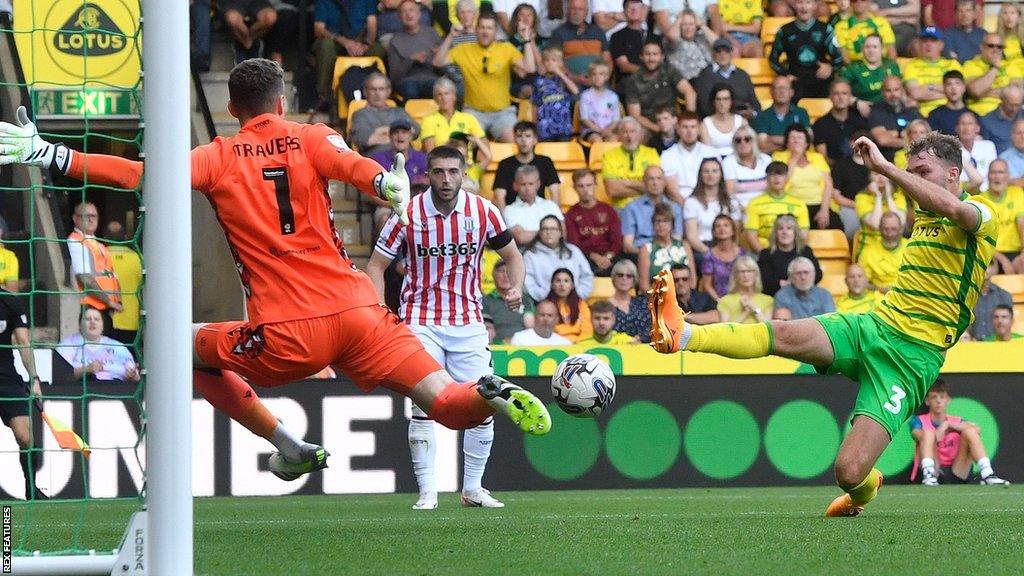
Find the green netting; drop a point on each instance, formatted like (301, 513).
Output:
(78, 111)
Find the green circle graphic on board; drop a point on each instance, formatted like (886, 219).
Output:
(973, 411)
(568, 451)
(801, 439)
(722, 439)
(898, 455)
(642, 440)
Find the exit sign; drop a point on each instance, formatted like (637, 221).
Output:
(87, 102)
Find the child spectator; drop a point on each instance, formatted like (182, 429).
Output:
(665, 136)
(602, 317)
(573, 312)
(552, 98)
(599, 106)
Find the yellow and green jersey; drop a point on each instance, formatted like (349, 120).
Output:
(764, 209)
(851, 32)
(866, 303)
(8, 265)
(1011, 69)
(942, 267)
(740, 12)
(1009, 207)
(920, 71)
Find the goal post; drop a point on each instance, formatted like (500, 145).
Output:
(168, 197)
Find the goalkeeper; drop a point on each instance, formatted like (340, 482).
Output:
(894, 352)
(308, 304)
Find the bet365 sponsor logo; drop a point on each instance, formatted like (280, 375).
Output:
(449, 249)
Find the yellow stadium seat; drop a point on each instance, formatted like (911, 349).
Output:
(603, 289)
(764, 96)
(487, 185)
(836, 285)
(1012, 283)
(761, 74)
(342, 64)
(420, 108)
(597, 150)
(499, 151)
(525, 111)
(833, 266)
(601, 193)
(566, 155)
(770, 27)
(567, 196)
(991, 22)
(816, 107)
(356, 105)
(828, 244)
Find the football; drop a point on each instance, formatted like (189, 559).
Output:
(583, 385)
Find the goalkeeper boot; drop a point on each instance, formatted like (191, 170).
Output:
(667, 318)
(313, 458)
(480, 498)
(525, 409)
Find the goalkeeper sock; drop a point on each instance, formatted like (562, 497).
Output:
(286, 443)
(865, 492)
(460, 406)
(234, 397)
(730, 339)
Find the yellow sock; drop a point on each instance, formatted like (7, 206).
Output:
(865, 492)
(731, 340)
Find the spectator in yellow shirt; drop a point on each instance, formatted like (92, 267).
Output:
(881, 260)
(877, 199)
(602, 317)
(765, 208)
(1009, 203)
(922, 76)
(851, 32)
(623, 167)
(8, 263)
(859, 297)
(990, 72)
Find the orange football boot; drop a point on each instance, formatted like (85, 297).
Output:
(666, 316)
(844, 506)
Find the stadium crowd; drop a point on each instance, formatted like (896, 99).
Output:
(712, 138)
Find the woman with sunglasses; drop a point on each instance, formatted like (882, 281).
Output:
(631, 314)
(744, 169)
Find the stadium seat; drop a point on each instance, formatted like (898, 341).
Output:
(816, 107)
(764, 96)
(833, 266)
(1012, 283)
(829, 244)
(567, 156)
(420, 108)
(770, 27)
(342, 64)
(499, 151)
(761, 74)
(836, 285)
(603, 289)
(525, 110)
(597, 151)
(991, 22)
(567, 196)
(487, 185)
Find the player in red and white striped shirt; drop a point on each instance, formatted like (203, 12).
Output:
(441, 247)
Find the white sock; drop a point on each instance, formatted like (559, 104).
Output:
(289, 446)
(422, 447)
(684, 338)
(476, 448)
(985, 467)
(928, 467)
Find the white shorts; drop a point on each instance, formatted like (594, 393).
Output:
(462, 350)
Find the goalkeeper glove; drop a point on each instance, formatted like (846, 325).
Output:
(393, 188)
(21, 144)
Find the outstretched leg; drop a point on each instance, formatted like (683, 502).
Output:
(855, 472)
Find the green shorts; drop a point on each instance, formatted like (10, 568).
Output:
(895, 371)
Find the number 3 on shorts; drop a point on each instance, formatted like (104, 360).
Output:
(895, 403)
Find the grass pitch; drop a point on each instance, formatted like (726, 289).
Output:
(956, 530)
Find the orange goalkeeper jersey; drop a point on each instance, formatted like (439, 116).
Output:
(268, 188)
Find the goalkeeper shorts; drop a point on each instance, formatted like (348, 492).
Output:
(368, 344)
